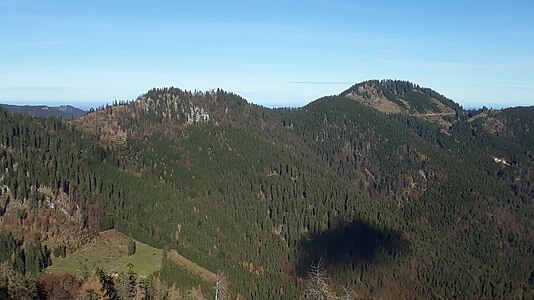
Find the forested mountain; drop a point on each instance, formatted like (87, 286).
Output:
(66, 112)
(394, 188)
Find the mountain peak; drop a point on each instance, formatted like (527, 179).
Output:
(169, 110)
(397, 96)
(173, 103)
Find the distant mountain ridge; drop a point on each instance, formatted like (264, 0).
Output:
(66, 112)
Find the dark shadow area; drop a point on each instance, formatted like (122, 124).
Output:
(357, 244)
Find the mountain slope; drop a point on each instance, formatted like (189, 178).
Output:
(441, 189)
(404, 163)
(396, 205)
(506, 135)
(266, 190)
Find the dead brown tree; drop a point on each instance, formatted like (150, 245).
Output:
(318, 288)
(222, 286)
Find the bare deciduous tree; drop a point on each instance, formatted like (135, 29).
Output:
(222, 286)
(318, 288)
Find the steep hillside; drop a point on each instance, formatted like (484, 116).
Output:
(443, 189)
(512, 124)
(46, 203)
(507, 136)
(66, 112)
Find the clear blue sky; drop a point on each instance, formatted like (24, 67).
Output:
(271, 52)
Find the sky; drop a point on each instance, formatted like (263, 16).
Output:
(273, 53)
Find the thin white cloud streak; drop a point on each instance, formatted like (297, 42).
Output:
(322, 82)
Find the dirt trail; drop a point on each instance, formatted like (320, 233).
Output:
(433, 114)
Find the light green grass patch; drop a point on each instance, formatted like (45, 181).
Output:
(108, 251)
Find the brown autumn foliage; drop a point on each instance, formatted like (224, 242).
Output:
(63, 286)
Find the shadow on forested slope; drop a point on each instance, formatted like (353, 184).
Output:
(354, 245)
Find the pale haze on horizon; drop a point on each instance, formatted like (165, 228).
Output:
(273, 53)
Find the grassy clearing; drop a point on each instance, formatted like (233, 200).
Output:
(109, 251)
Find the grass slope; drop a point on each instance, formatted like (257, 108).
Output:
(109, 251)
